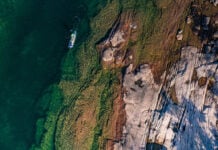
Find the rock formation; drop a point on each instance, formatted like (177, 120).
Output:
(114, 45)
(158, 85)
(180, 111)
(153, 116)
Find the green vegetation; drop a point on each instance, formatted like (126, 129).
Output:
(105, 108)
(145, 14)
(33, 39)
(163, 3)
(81, 69)
(46, 128)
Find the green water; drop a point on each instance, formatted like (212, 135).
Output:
(33, 40)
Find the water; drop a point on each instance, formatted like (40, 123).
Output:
(33, 40)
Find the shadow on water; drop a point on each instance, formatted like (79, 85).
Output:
(33, 40)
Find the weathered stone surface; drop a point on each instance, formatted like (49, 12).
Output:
(114, 46)
(117, 38)
(108, 55)
(153, 117)
(215, 35)
(189, 20)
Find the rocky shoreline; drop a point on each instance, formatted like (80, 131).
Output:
(182, 106)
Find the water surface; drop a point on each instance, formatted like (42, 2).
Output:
(33, 40)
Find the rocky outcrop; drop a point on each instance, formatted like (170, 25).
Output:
(140, 94)
(215, 2)
(113, 47)
(180, 111)
(165, 108)
(153, 117)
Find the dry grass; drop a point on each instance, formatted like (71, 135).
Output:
(80, 118)
(160, 47)
(85, 112)
(87, 123)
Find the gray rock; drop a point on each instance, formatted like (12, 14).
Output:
(188, 20)
(215, 2)
(206, 21)
(215, 35)
(198, 27)
(108, 55)
(216, 19)
(207, 49)
(179, 37)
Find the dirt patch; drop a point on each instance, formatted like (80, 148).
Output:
(173, 95)
(211, 83)
(202, 81)
(80, 119)
(84, 123)
(118, 120)
(194, 76)
(157, 70)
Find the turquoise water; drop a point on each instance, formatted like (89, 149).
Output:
(33, 40)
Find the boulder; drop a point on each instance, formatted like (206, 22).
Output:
(197, 27)
(216, 19)
(179, 35)
(188, 20)
(207, 49)
(117, 38)
(108, 55)
(215, 2)
(133, 26)
(206, 21)
(215, 35)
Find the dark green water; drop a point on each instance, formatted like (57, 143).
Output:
(33, 40)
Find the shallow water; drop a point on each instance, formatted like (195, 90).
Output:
(33, 40)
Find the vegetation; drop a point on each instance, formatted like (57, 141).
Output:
(46, 126)
(82, 74)
(148, 13)
(105, 108)
(79, 69)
